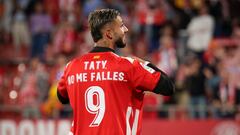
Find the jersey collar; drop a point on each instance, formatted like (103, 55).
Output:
(101, 49)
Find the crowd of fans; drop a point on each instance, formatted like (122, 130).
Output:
(196, 42)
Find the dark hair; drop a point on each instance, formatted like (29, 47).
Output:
(99, 18)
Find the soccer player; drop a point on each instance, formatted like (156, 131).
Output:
(102, 87)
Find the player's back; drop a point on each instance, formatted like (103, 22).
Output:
(100, 93)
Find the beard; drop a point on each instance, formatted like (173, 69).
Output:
(119, 43)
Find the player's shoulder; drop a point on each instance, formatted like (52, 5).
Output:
(72, 62)
(121, 59)
(131, 62)
(128, 60)
(134, 63)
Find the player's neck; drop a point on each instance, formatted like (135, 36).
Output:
(104, 43)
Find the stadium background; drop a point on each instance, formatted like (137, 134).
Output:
(196, 42)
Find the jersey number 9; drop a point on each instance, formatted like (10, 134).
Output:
(97, 108)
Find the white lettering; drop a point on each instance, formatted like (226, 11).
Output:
(103, 76)
(71, 80)
(98, 78)
(128, 114)
(26, 127)
(98, 64)
(104, 64)
(79, 77)
(86, 65)
(45, 127)
(7, 127)
(109, 75)
(84, 77)
(38, 127)
(132, 131)
(92, 76)
(115, 76)
(63, 127)
(121, 76)
(91, 67)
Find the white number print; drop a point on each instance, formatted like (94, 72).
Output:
(132, 131)
(99, 107)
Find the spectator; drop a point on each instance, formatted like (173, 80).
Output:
(53, 9)
(151, 103)
(5, 23)
(228, 87)
(33, 89)
(151, 17)
(141, 47)
(195, 80)
(20, 31)
(91, 5)
(41, 28)
(220, 11)
(199, 34)
(51, 106)
(114, 4)
(67, 5)
(64, 38)
(167, 59)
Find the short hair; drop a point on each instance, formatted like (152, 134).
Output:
(98, 19)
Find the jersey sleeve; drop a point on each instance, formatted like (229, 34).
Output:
(143, 77)
(62, 85)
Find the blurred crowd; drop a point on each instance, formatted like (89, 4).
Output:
(196, 42)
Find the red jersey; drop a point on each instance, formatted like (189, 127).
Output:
(135, 120)
(102, 88)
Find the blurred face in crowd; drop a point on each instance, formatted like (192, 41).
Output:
(203, 10)
(34, 63)
(166, 42)
(38, 8)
